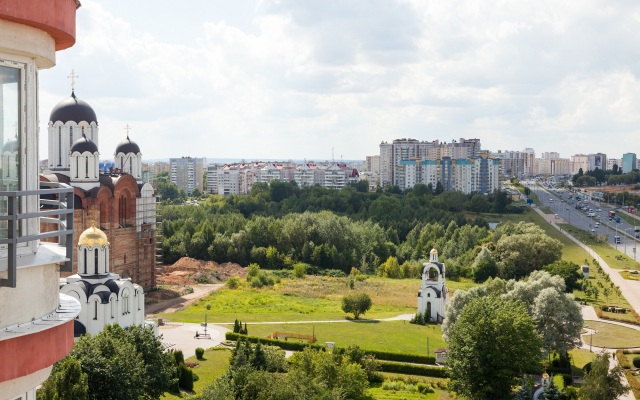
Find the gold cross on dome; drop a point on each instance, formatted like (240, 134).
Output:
(73, 77)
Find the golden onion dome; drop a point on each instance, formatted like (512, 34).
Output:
(93, 236)
(434, 251)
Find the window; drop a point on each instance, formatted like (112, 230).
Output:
(10, 137)
(96, 261)
(95, 309)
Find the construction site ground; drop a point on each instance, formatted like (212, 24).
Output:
(186, 281)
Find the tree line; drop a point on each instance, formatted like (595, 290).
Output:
(279, 224)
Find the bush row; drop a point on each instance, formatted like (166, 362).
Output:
(600, 314)
(413, 369)
(400, 357)
(285, 345)
(299, 346)
(622, 359)
(633, 382)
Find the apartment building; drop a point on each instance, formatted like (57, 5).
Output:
(629, 162)
(187, 173)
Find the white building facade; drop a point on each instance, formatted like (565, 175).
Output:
(434, 294)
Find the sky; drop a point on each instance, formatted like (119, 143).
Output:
(323, 79)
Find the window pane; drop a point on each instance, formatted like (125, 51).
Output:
(9, 136)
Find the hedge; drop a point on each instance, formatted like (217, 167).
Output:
(601, 315)
(299, 346)
(413, 369)
(410, 358)
(633, 382)
(622, 359)
(285, 345)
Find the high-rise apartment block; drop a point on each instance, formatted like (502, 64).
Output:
(458, 165)
(187, 173)
(629, 162)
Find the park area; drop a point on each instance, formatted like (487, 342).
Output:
(311, 306)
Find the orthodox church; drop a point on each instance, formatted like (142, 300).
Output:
(124, 204)
(105, 297)
(434, 294)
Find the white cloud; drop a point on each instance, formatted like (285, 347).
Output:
(290, 79)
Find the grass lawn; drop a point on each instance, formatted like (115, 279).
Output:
(380, 394)
(579, 357)
(612, 335)
(393, 336)
(614, 258)
(312, 298)
(215, 363)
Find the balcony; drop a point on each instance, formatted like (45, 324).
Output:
(56, 208)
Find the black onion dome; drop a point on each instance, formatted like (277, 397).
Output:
(128, 146)
(84, 144)
(73, 109)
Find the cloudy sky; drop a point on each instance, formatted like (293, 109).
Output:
(292, 79)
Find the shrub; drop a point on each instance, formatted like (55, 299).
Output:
(178, 357)
(199, 353)
(587, 368)
(262, 279)
(636, 362)
(413, 369)
(208, 306)
(233, 282)
(299, 270)
(185, 377)
(252, 271)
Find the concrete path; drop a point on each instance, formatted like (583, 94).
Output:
(181, 336)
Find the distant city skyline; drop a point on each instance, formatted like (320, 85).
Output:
(299, 80)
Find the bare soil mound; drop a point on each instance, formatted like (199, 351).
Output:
(189, 271)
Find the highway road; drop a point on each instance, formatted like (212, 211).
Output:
(563, 203)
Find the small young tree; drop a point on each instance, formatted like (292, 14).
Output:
(357, 304)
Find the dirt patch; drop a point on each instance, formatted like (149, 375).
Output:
(189, 271)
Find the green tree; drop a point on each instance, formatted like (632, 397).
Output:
(357, 304)
(568, 271)
(551, 392)
(67, 382)
(600, 383)
(196, 193)
(559, 320)
(121, 364)
(493, 341)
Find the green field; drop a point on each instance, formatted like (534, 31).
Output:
(393, 336)
(314, 298)
(612, 335)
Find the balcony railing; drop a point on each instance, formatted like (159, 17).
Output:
(56, 207)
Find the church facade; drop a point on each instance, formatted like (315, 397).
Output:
(125, 207)
(105, 297)
(433, 294)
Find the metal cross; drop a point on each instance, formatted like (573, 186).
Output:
(127, 128)
(73, 77)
